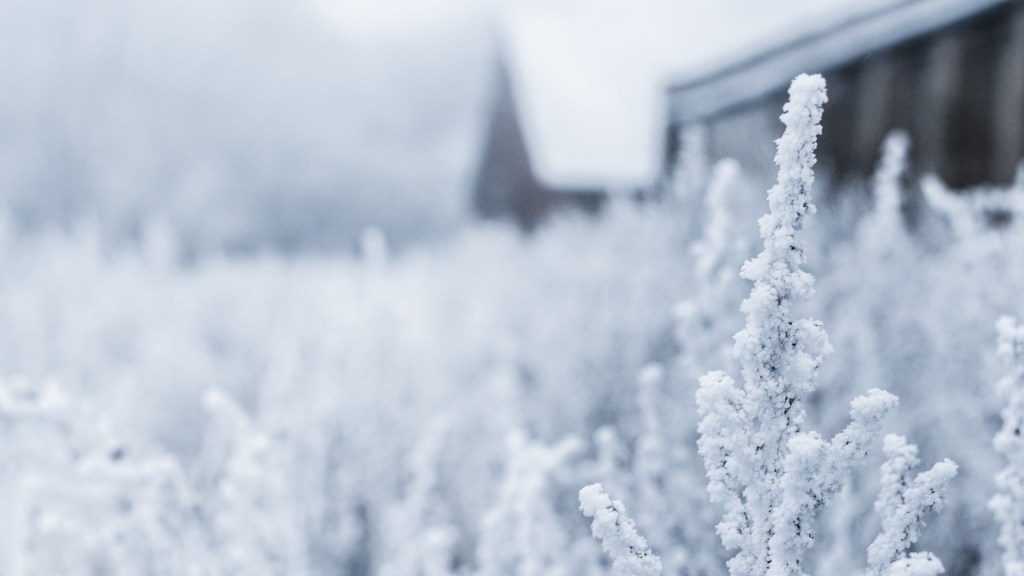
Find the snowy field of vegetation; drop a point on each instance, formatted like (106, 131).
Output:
(451, 408)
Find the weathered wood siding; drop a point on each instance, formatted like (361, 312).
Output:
(958, 92)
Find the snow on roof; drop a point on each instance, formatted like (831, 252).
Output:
(590, 76)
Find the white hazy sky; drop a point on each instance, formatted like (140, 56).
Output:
(391, 18)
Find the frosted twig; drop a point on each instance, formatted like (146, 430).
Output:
(628, 550)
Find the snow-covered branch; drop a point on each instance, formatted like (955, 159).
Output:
(902, 502)
(629, 551)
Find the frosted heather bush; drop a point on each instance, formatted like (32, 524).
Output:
(665, 468)
(1008, 503)
(420, 538)
(705, 319)
(79, 499)
(771, 476)
(521, 534)
(255, 520)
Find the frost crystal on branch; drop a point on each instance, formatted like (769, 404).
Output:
(902, 503)
(770, 476)
(1008, 503)
(917, 564)
(629, 551)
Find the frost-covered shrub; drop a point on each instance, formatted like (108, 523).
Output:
(661, 467)
(611, 460)
(770, 475)
(340, 364)
(978, 211)
(255, 523)
(79, 499)
(705, 318)
(910, 306)
(521, 534)
(420, 538)
(972, 277)
(665, 468)
(870, 291)
(872, 301)
(1008, 504)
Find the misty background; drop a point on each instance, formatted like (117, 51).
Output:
(245, 124)
(274, 124)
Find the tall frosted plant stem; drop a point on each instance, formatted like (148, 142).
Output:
(770, 476)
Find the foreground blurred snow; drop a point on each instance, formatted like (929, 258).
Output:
(322, 355)
(301, 412)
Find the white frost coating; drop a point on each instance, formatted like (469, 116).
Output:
(884, 227)
(611, 466)
(770, 476)
(629, 551)
(254, 517)
(651, 445)
(718, 239)
(691, 174)
(521, 534)
(419, 537)
(971, 215)
(78, 494)
(662, 471)
(705, 321)
(917, 564)
(887, 179)
(851, 445)
(1008, 503)
(720, 404)
(902, 503)
(815, 471)
(651, 465)
(954, 209)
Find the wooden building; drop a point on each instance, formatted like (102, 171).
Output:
(948, 72)
(507, 184)
(587, 107)
(577, 107)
